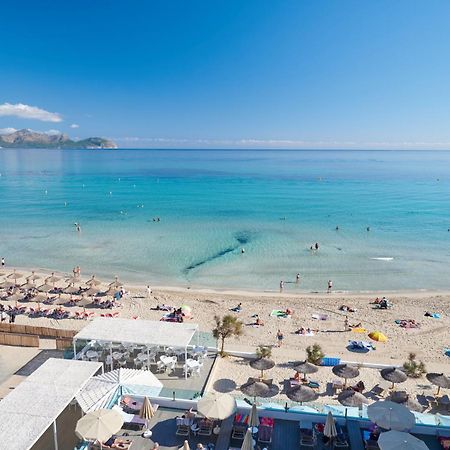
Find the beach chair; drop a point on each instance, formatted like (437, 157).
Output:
(238, 431)
(205, 428)
(265, 434)
(308, 438)
(183, 428)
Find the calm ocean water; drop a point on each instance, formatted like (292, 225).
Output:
(275, 204)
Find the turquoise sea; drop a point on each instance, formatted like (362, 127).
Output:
(211, 204)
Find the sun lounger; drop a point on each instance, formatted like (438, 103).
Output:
(238, 431)
(183, 430)
(205, 428)
(265, 434)
(308, 437)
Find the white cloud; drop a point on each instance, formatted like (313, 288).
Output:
(7, 130)
(29, 112)
(74, 125)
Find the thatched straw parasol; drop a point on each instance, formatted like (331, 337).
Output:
(93, 281)
(15, 275)
(302, 393)
(262, 364)
(403, 398)
(345, 371)
(351, 398)
(305, 367)
(27, 285)
(52, 279)
(393, 375)
(33, 276)
(45, 287)
(7, 284)
(259, 388)
(72, 290)
(116, 284)
(91, 291)
(440, 380)
(14, 297)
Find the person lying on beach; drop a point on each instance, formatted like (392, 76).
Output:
(237, 308)
(357, 325)
(409, 323)
(306, 331)
(163, 307)
(359, 387)
(258, 322)
(346, 308)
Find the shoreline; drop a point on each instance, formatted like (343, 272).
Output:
(244, 291)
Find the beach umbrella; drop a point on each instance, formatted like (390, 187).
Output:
(146, 412)
(72, 290)
(39, 297)
(259, 388)
(2, 274)
(116, 283)
(391, 416)
(403, 398)
(27, 285)
(305, 367)
(398, 440)
(217, 406)
(440, 380)
(7, 284)
(393, 375)
(93, 281)
(15, 275)
(302, 393)
(45, 287)
(330, 427)
(378, 336)
(111, 291)
(253, 420)
(262, 364)
(14, 297)
(99, 425)
(84, 301)
(91, 291)
(33, 276)
(247, 443)
(52, 279)
(185, 446)
(351, 398)
(103, 389)
(345, 371)
(72, 280)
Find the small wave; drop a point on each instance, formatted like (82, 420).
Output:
(387, 258)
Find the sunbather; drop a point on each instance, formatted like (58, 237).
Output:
(237, 308)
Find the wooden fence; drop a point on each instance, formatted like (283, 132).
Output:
(37, 331)
(19, 340)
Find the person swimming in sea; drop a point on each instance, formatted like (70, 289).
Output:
(316, 246)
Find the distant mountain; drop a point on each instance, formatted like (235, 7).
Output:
(33, 139)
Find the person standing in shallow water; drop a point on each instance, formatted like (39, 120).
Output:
(329, 286)
(297, 278)
(281, 285)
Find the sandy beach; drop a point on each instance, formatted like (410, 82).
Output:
(428, 341)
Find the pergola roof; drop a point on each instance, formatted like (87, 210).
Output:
(143, 332)
(31, 408)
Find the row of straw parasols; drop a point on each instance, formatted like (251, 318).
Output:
(259, 387)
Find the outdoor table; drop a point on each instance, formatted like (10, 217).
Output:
(91, 354)
(192, 363)
(142, 357)
(117, 355)
(166, 360)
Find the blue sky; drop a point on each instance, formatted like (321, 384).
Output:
(263, 73)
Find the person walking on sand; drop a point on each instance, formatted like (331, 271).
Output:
(280, 338)
(281, 285)
(346, 327)
(149, 291)
(330, 286)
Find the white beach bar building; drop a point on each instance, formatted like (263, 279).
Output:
(33, 407)
(148, 335)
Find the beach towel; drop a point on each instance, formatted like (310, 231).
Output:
(447, 351)
(327, 361)
(279, 313)
(320, 316)
(359, 330)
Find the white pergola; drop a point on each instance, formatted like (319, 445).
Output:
(35, 404)
(148, 333)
